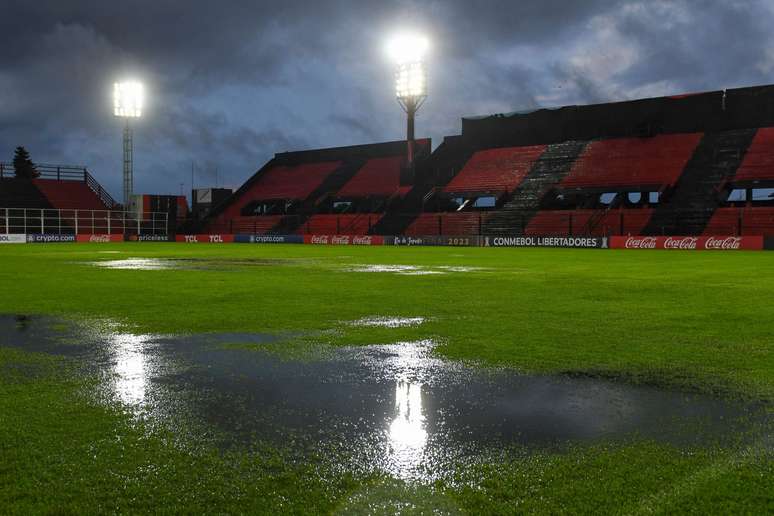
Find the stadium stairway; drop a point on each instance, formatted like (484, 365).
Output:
(402, 213)
(549, 170)
(697, 192)
(332, 184)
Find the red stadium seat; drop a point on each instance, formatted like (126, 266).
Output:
(70, 195)
(281, 182)
(455, 223)
(758, 162)
(378, 177)
(632, 162)
(495, 170)
(589, 222)
(741, 221)
(343, 224)
(253, 225)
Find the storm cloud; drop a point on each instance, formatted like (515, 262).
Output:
(231, 83)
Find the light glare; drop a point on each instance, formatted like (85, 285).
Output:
(128, 99)
(408, 48)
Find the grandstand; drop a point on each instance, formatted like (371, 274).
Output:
(66, 200)
(57, 186)
(344, 190)
(696, 164)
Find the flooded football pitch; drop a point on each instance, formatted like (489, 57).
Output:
(394, 407)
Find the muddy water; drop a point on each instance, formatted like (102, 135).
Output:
(396, 407)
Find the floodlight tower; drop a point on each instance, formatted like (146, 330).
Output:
(128, 99)
(409, 51)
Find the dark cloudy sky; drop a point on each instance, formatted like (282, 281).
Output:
(232, 82)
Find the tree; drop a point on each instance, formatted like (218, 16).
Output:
(23, 165)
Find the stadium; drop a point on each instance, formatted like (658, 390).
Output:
(558, 310)
(694, 165)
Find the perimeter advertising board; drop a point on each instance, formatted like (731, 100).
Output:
(344, 239)
(99, 239)
(13, 238)
(546, 241)
(454, 241)
(205, 239)
(689, 243)
(147, 238)
(269, 239)
(45, 238)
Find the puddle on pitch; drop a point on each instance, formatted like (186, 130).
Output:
(379, 321)
(411, 270)
(158, 264)
(394, 408)
(140, 264)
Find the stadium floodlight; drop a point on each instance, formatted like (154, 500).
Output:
(128, 99)
(408, 51)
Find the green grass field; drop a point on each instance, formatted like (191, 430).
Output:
(699, 321)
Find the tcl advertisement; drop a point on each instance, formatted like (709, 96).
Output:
(688, 243)
(344, 239)
(205, 239)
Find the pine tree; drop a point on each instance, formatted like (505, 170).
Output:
(23, 165)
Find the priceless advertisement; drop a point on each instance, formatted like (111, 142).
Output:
(147, 238)
(344, 239)
(688, 243)
(205, 239)
(100, 239)
(13, 238)
(45, 238)
(455, 241)
(546, 241)
(269, 239)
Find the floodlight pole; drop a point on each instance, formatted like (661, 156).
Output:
(128, 177)
(411, 112)
(410, 105)
(411, 95)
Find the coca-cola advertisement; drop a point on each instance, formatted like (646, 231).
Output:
(344, 239)
(688, 243)
(100, 239)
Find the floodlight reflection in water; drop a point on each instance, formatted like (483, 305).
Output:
(130, 367)
(143, 264)
(407, 432)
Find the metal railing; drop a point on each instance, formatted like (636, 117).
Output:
(47, 171)
(103, 195)
(75, 222)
